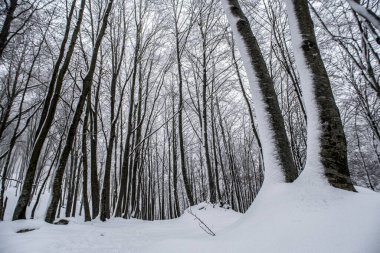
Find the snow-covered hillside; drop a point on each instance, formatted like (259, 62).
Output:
(286, 218)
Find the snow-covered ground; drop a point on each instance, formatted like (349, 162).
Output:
(287, 218)
(116, 235)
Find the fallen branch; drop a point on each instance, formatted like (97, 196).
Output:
(201, 224)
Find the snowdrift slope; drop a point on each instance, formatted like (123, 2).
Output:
(287, 218)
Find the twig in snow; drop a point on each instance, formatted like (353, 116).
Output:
(201, 224)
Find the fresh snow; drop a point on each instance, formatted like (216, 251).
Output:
(115, 235)
(285, 218)
(292, 218)
(307, 216)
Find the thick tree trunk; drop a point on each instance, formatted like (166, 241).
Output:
(327, 148)
(278, 159)
(247, 102)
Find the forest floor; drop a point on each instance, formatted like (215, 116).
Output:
(115, 235)
(283, 219)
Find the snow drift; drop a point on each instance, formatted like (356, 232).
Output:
(286, 218)
(291, 218)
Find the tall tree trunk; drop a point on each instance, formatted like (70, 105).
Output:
(76, 186)
(215, 156)
(12, 144)
(117, 60)
(20, 210)
(57, 65)
(186, 180)
(125, 166)
(71, 183)
(326, 142)
(211, 182)
(137, 161)
(175, 166)
(87, 214)
(87, 82)
(93, 144)
(278, 159)
(105, 195)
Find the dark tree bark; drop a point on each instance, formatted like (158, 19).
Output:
(19, 212)
(137, 150)
(87, 82)
(5, 30)
(56, 69)
(76, 185)
(7, 161)
(179, 50)
(94, 145)
(332, 150)
(105, 195)
(175, 167)
(211, 182)
(87, 214)
(262, 83)
(71, 183)
(125, 166)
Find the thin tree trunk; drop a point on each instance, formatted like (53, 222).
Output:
(186, 181)
(93, 144)
(87, 82)
(87, 214)
(20, 210)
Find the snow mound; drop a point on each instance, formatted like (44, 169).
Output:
(214, 216)
(295, 218)
(115, 235)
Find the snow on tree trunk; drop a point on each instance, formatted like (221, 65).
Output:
(278, 160)
(326, 142)
(367, 14)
